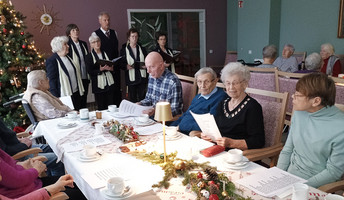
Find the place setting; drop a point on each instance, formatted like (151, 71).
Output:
(171, 133)
(234, 159)
(116, 188)
(143, 120)
(89, 154)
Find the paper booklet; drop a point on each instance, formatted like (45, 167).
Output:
(138, 64)
(131, 109)
(168, 58)
(103, 62)
(270, 182)
(208, 125)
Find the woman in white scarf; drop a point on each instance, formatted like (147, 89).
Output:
(102, 77)
(133, 64)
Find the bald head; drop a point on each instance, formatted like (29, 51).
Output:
(155, 64)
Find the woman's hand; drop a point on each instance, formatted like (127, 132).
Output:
(38, 165)
(204, 137)
(143, 67)
(26, 141)
(195, 134)
(224, 141)
(167, 64)
(66, 180)
(26, 163)
(129, 67)
(232, 143)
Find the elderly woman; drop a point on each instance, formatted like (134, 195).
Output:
(269, 56)
(162, 47)
(77, 52)
(287, 62)
(64, 76)
(43, 104)
(239, 117)
(102, 76)
(331, 64)
(133, 65)
(312, 63)
(205, 102)
(314, 148)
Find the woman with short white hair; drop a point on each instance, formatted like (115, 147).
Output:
(331, 64)
(43, 104)
(64, 76)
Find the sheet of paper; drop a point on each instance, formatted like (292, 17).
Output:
(78, 145)
(270, 182)
(98, 179)
(132, 109)
(149, 130)
(208, 125)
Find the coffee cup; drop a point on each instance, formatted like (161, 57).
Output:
(112, 108)
(99, 114)
(90, 150)
(234, 156)
(143, 118)
(300, 191)
(84, 114)
(115, 185)
(333, 197)
(171, 131)
(72, 114)
(99, 128)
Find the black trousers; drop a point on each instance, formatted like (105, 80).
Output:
(103, 99)
(77, 100)
(137, 92)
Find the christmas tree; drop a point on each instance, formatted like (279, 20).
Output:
(18, 57)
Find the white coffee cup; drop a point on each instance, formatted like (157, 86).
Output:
(143, 118)
(90, 150)
(171, 131)
(112, 108)
(333, 197)
(72, 114)
(115, 185)
(84, 114)
(300, 191)
(340, 75)
(99, 128)
(234, 156)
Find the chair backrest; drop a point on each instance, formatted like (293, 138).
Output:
(29, 112)
(300, 56)
(189, 88)
(339, 89)
(340, 106)
(273, 113)
(262, 78)
(341, 59)
(231, 56)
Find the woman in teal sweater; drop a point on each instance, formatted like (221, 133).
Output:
(315, 146)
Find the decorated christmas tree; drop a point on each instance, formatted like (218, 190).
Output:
(18, 57)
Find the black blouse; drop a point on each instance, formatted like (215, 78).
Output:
(243, 122)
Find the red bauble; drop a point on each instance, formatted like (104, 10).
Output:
(23, 46)
(213, 197)
(4, 30)
(199, 175)
(211, 182)
(22, 33)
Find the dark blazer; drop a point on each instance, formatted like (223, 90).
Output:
(9, 141)
(158, 49)
(124, 62)
(84, 49)
(94, 71)
(53, 73)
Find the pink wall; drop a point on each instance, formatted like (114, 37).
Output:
(84, 13)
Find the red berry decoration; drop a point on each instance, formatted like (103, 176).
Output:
(213, 197)
(22, 33)
(211, 182)
(199, 175)
(24, 46)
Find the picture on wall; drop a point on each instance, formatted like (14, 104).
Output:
(340, 20)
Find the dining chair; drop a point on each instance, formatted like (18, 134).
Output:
(189, 88)
(59, 196)
(339, 89)
(341, 59)
(231, 56)
(29, 112)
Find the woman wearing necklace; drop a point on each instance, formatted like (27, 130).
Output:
(133, 65)
(239, 117)
(102, 77)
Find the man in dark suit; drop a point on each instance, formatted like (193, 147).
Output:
(109, 41)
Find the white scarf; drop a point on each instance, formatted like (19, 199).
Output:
(66, 89)
(131, 61)
(104, 78)
(76, 58)
(173, 69)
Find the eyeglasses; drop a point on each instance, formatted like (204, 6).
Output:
(206, 82)
(234, 84)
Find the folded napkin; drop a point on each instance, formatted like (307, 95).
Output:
(149, 195)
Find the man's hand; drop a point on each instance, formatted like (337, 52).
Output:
(195, 134)
(150, 111)
(26, 141)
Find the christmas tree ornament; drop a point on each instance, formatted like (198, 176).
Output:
(201, 184)
(24, 46)
(4, 30)
(22, 33)
(213, 197)
(199, 175)
(1, 71)
(224, 193)
(205, 193)
(179, 164)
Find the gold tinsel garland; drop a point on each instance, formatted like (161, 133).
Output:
(206, 183)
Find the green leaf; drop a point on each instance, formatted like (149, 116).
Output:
(157, 20)
(150, 26)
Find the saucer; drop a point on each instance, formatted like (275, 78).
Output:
(138, 123)
(239, 165)
(66, 124)
(84, 158)
(171, 138)
(108, 195)
(242, 162)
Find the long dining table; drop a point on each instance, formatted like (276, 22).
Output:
(139, 175)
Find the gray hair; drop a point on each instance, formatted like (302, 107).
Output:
(34, 77)
(313, 61)
(103, 13)
(206, 70)
(57, 43)
(93, 37)
(270, 51)
(235, 68)
(328, 48)
(290, 46)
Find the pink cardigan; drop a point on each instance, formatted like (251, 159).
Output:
(40, 194)
(16, 181)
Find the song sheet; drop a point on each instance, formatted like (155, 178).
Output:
(207, 124)
(79, 144)
(270, 182)
(131, 109)
(99, 178)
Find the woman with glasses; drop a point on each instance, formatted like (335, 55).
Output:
(314, 148)
(239, 117)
